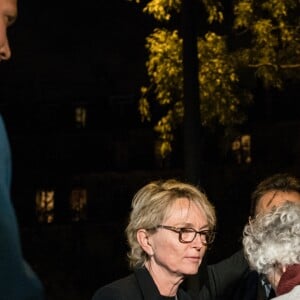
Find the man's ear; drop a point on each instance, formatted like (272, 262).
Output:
(283, 269)
(144, 239)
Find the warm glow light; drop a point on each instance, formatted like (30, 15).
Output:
(45, 206)
(78, 203)
(80, 116)
(241, 147)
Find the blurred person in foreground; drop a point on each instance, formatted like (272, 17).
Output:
(17, 280)
(231, 278)
(171, 225)
(272, 247)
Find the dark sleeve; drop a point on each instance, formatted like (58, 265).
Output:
(17, 280)
(108, 293)
(223, 277)
(122, 289)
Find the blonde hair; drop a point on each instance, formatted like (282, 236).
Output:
(150, 206)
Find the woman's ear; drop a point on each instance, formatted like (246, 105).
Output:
(143, 238)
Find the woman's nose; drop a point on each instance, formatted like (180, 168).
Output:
(198, 241)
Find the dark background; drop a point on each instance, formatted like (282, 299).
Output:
(74, 53)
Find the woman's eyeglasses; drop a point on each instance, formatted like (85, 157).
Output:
(187, 235)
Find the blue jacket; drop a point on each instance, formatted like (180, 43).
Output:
(17, 280)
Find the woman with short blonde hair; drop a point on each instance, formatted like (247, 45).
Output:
(170, 227)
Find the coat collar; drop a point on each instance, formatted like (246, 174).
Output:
(148, 288)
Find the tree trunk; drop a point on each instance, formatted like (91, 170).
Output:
(192, 120)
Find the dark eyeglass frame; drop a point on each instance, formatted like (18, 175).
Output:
(207, 236)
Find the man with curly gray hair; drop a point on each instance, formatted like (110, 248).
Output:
(272, 247)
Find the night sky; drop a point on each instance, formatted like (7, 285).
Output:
(78, 41)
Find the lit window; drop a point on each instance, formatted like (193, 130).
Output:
(241, 148)
(78, 202)
(45, 206)
(80, 116)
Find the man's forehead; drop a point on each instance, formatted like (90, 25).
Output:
(9, 5)
(8, 8)
(275, 198)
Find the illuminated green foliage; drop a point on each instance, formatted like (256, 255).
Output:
(274, 27)
(272, 51)
(219, 83)
(164, 67)
(162, 9)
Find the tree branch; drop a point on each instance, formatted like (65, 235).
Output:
(287, 66)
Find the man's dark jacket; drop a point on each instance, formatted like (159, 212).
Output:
(230, 279)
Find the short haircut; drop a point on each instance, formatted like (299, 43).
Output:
(273, 238)
(150, 206)
(283, 182)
